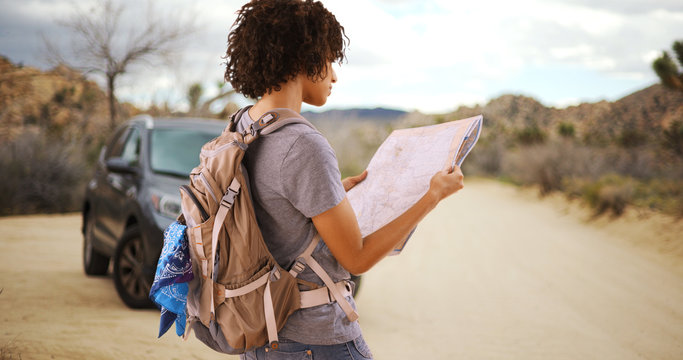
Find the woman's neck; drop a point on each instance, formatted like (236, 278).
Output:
(289, 96)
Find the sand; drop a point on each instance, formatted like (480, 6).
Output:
(492, 273)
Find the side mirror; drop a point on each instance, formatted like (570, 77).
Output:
(118, 165)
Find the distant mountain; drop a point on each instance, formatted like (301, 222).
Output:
(377, 114)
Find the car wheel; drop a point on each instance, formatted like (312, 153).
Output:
(356, 279)
(94, 263)
(131, 282)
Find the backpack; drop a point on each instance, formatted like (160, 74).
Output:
(240, 297)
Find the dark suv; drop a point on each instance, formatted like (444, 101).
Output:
(134, 195)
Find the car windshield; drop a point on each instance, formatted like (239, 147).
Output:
(176, 151)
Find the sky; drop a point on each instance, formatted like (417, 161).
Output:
(431, 56)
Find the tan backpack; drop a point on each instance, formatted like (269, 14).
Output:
(240, 296)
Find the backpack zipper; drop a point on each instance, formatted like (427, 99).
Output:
(207, 186)
(204, 215)
(214, 152)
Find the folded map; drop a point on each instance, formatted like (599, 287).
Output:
(400, 171)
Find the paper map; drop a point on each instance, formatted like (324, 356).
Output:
(400, 171)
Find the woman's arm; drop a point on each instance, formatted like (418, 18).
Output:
(339, 227)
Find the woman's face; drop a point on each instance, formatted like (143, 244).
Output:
(316, 92)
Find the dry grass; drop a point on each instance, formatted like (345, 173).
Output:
(608, 178)
(9, 351)
(39, 174)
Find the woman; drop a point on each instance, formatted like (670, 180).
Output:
(280, 52)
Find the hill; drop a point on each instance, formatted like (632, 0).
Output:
(647, 111)
(358, 114)
(66, 116)
(61, 101)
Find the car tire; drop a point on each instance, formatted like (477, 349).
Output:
(94, 263)
(132, 283)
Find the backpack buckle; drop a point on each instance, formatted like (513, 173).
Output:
(298, 266)
(263, 121)
(229, 197)
(274, 274)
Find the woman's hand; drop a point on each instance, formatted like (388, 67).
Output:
(352, 181)
(445, 183)
(339, 229)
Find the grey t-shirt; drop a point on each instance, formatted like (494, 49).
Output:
(294, 176)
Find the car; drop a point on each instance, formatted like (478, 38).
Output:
(134, 195)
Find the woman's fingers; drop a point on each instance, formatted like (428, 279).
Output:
(352, 181)
(447, 182)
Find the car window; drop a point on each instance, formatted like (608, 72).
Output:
(131, 149)
(176, 151)
(116, 145)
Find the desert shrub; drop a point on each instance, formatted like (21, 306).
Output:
(595, 138)
(566, 129)
(548, 165)
(673, 137)
(30, 119)
(9, 351)
(629, 138)
(530, 135)
(641, 163)
(89, 96)
(664, 195)
(611, 193)
(40, 175)
(486, 158)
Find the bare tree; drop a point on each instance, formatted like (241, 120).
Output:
(101, 45)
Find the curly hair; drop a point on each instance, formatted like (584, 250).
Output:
(273, 41)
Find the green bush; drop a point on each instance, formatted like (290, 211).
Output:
(664, 195)
(531, 135)
(566, 129)
(611, 193)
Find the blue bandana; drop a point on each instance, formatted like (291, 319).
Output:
(174, 271)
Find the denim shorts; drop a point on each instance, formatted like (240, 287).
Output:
(289, 350)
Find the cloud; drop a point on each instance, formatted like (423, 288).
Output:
(430, 55)
(629, 6)
(22, 23)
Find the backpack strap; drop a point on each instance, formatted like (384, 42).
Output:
(335, 289)
(286, 117)
(236, 116)
(268, 123)
(226, 204)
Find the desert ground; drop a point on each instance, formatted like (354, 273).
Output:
(493, 273)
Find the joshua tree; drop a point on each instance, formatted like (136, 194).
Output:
(667, 69)
(195, 92)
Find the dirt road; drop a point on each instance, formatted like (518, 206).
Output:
(491, 274)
